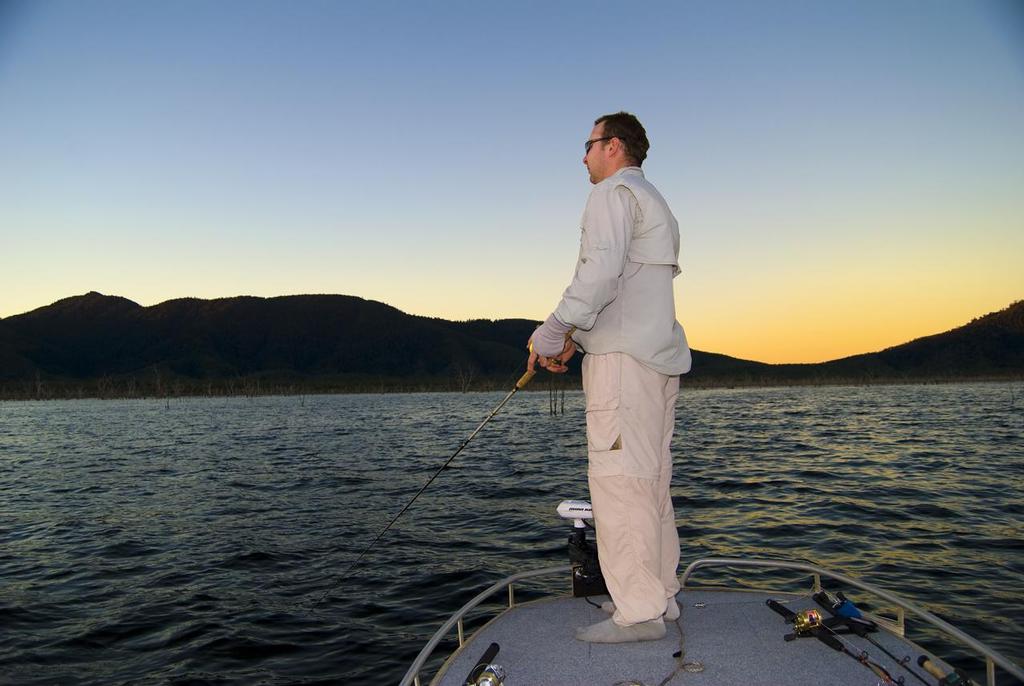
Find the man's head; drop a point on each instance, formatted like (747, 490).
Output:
(617, 141)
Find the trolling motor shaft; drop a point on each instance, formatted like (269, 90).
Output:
(587, 579)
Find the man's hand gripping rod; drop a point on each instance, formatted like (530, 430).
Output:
(523, 380)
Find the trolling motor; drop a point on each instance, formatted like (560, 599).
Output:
(586, 571)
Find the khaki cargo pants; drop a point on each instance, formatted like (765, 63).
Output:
(630, 419)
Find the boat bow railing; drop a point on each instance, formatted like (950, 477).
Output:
(413, 675)
(992, 658)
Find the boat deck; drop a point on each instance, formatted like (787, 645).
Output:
(728, 637)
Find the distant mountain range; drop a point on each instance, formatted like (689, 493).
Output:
(99, 345)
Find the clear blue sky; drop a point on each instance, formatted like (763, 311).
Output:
(847, 175)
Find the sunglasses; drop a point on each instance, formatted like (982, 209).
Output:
(589, 144)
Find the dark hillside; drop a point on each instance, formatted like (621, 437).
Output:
(106, 345)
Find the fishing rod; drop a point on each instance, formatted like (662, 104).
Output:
(954, 678)
(836, 642)
(810, 623)
(520, 384)
(904, 662)
(840, 606)
(485, 672)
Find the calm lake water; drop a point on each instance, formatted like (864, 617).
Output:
(188, 542)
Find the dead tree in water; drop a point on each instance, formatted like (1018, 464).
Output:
(159, 382)
(554, 390)
(465, 372)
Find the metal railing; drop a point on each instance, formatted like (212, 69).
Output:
(413, 675)
(992, 658)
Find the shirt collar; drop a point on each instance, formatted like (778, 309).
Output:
(631, 171)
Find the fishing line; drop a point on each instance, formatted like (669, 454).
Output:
(809, 623)
(836, 605)
(862, 657)
(901, 662)
(523, 380)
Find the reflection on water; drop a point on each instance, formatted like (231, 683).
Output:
(153, 542)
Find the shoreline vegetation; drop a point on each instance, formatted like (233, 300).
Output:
(133, 388)
(100, 346)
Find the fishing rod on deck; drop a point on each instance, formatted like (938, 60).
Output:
(810, 623)
(840, 607)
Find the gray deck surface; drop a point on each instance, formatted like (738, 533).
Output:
(737, 638)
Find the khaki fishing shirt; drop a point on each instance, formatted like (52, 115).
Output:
(620, 298)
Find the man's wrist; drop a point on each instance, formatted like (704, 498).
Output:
(549, 338)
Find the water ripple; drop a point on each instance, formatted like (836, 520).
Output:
(184, 542)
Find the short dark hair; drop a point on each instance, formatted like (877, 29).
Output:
(628, 129)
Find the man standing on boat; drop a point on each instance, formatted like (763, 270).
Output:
(620, 310)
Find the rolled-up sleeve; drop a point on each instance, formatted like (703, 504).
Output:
(606, 233)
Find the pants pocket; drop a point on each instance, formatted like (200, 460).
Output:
(604, 444)
(603, 432)
(601, 379)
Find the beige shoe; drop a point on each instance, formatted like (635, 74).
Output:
(610, 632)
(671, 612)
